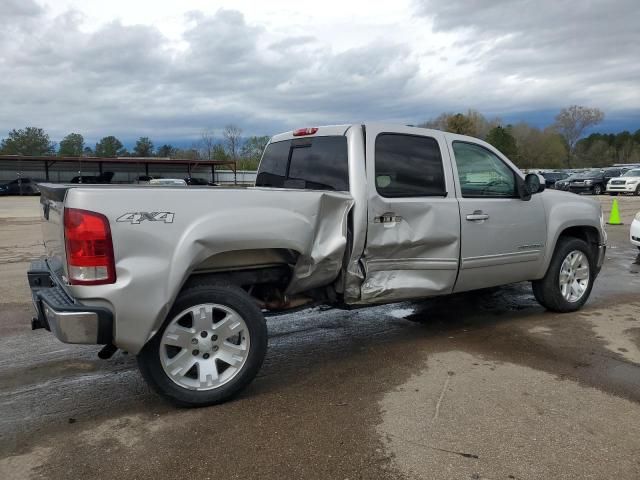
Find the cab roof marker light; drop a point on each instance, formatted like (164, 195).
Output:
(301, 132)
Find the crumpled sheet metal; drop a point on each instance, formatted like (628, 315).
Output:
(414, 257)
(321, 261)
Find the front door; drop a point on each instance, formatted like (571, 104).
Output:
(502, 235)
(413, 225)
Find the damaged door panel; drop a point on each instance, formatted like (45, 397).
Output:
(413, 225)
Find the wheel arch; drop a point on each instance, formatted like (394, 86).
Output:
(588, 233)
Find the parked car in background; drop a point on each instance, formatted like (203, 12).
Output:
(629, 182)
(564, 184)
(197, 181)
(144, 179)
(168, 182)
(592, 181)
(93, 179)
(634, 235)
(20, 186)
(550, 178)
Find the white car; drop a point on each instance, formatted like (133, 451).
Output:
(168, 181)
(634, 235)
(627, 183)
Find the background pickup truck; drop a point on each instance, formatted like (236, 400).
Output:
(344, 215)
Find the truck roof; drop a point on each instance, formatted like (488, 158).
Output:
(326, 130)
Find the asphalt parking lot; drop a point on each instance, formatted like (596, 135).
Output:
(484, 385)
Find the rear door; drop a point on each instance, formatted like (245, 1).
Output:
(502, 235)
(413, 224)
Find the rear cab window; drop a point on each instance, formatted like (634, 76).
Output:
(316, 163)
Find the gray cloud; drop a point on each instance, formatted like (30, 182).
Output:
(580, 51)
(132, 80)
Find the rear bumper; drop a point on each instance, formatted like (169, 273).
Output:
(58, 312)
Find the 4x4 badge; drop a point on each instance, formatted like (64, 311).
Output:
(138, 217)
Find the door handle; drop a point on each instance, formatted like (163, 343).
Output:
(477, 216)
(388, 218)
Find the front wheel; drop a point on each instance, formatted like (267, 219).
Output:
(569, 278)
(211, 346)
(597, 189)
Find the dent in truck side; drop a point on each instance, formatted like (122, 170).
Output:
(154, 259)
(412, 242)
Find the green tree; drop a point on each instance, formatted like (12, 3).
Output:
(109, 147)
(472, 123)
(502, 139)
(460, 123)
(252, 152)
(571, 123)
(71, 146)
(538, 148)
(143, 148)
(167, 150)
(219, 153)
(27, 141)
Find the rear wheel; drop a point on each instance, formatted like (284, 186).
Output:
(569, 278)
(210, 347)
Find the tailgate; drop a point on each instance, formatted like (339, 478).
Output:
(51, 216)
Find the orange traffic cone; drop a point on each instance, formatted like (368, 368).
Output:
(614, 216)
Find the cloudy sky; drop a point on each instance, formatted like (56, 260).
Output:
(168, 69)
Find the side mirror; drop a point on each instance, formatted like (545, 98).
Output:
(533, 183)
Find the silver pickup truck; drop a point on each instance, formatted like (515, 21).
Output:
(347, 215)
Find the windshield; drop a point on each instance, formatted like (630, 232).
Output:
(554, 175)
(632, 173)
(588, 175)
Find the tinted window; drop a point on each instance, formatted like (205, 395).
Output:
(273, 167)
(408, 166)
(482, 173)
(318, 163)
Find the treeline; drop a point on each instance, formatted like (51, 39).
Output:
(231, 145)
(560, 145)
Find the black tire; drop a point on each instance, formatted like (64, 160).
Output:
(597, 189)
(547, 290)
(228, 295)
(613, 194)
(637, 192)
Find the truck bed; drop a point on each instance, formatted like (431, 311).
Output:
(163, 234)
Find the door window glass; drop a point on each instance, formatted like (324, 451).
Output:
(408, 166)
(482, 173)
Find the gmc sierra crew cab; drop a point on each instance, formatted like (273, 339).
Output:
(347, 215)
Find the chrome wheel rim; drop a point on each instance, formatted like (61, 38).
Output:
(204, 346)
(574, 276)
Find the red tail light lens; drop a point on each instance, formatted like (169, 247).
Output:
(89, 248)
(301, 132)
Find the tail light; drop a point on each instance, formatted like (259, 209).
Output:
(89, 248)
(301, 132)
